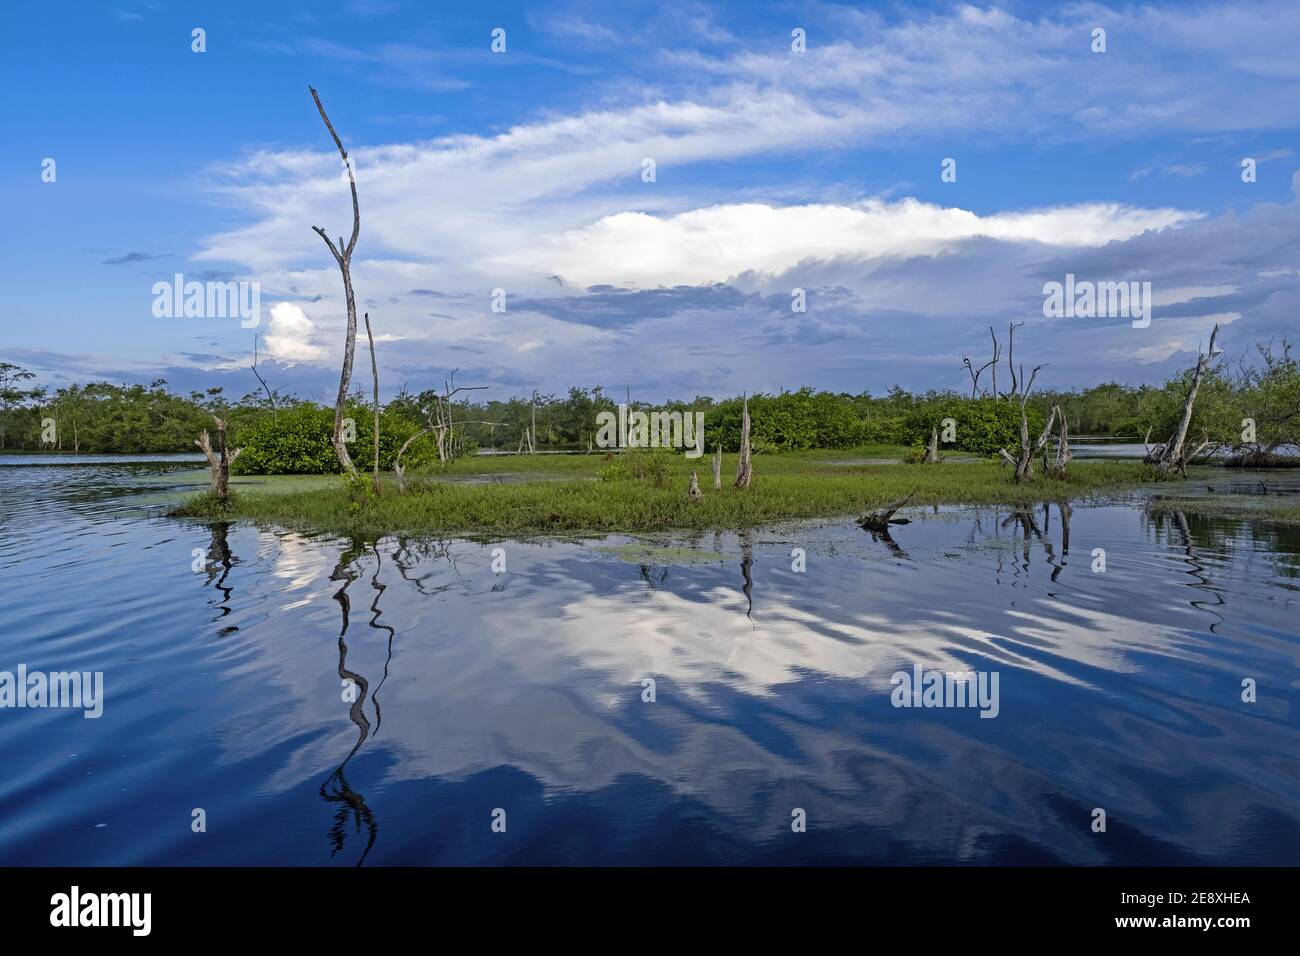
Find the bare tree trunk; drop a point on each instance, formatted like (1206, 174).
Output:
(343, 256)
(1056, 468)
(694, 492)
(744, 469)
(1011, 351)
(996, 355)
(717, 468)
(1172, 454)
(219, 461)
(532, 432)
(1024, 464)
(374, 372)
(932, 456)
(398, 467)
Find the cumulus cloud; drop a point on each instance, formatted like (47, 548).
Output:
(289, 335)
(718, 242)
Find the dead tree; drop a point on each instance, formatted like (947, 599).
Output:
(532, 431)
(997, 354)
(717, 468)
(1172, 455)
(398, 468)
(1016, 385)
(974, 376)
(220, 460)
(694, 492)
(975, 373)
(343, 256)
(744, 469)
(1056, 467)
(1024, 464)
(443, 419)
(374, 372)
(880, 520)
(932, 456)
(270, 396)
(441, 424)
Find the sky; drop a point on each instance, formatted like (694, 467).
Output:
(525, 170)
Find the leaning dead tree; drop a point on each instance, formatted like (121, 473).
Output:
(219, 460)
(374, 372)
(1172, 455)
(343, 256)
(1024, 463)
(744, 469)
(398, 468)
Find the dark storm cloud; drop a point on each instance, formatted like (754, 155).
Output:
(608, 307)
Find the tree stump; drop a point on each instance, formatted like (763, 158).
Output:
(219, 461)
(881, 520)
(932, 456)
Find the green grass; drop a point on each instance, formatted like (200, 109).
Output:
(561, 494)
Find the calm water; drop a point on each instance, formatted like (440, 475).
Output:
(523, 690)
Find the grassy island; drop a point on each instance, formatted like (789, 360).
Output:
(541, 494)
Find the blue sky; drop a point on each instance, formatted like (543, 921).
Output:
(774, 171)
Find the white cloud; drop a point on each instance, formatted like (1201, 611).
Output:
(289, 333)
(720, 242)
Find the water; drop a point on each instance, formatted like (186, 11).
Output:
(522, 691)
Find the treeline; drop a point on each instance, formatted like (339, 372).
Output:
(1256, 406)
(103, 418)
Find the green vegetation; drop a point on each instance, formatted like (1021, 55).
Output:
(296, 441)
(568, 494)
(293, 436)
(984, 425)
